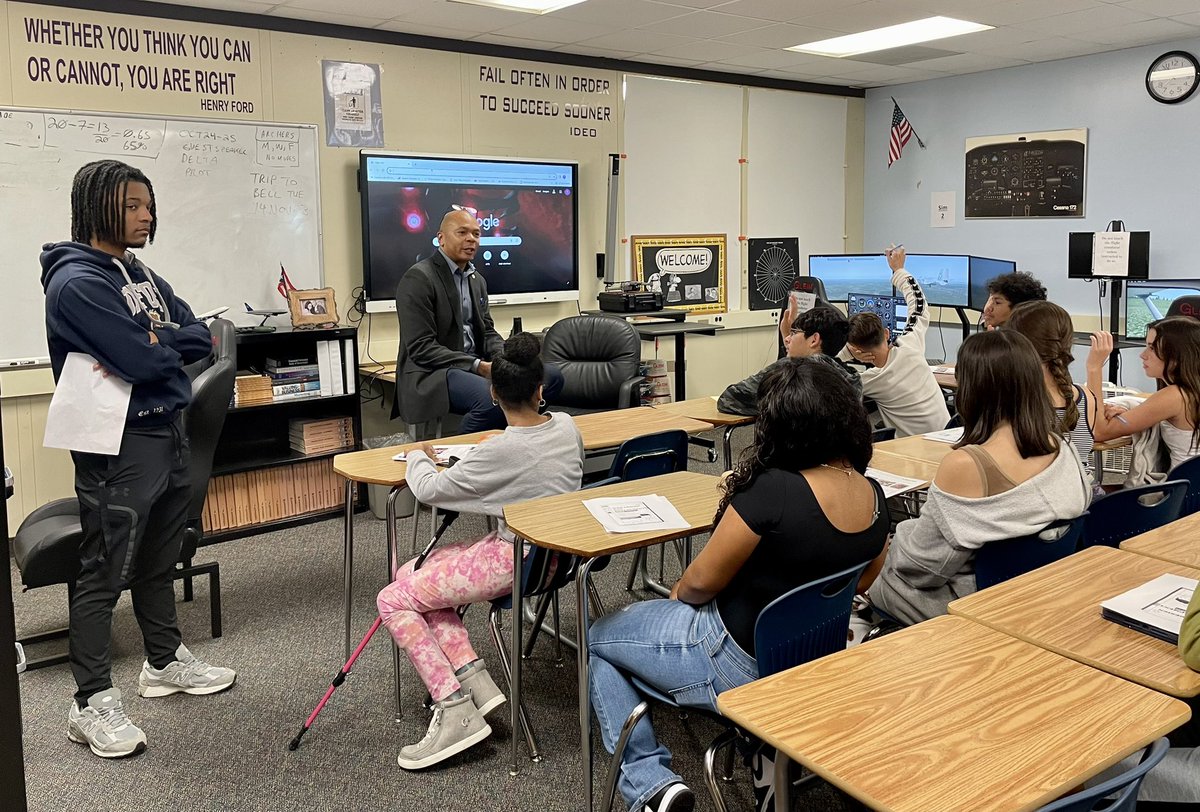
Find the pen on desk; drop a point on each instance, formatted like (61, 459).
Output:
(1121, 418)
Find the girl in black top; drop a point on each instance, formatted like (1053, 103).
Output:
(796, 508)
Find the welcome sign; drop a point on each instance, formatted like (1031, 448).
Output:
(688, 269)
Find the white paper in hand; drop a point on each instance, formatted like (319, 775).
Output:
(87, 412)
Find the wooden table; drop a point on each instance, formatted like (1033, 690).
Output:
(562, 523)
(705, 410)
(385, 372)
(1057, 607)
(949, 715)
(946, 380)
(916, 447)
(1177, 542)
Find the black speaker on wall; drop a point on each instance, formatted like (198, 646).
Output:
(599, 266)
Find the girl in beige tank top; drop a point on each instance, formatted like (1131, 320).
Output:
(995, 481)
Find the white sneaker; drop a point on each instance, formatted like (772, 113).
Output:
(187, 674)
(484, 692)
(104, 727)
(456, 725)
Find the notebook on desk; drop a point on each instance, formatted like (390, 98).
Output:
(1155, 608)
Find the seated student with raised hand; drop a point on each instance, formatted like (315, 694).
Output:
(898, 378)
(537, 455)
(1009, 476)
(796, 508)
(1172, 356)
(819, 333)
(1049, 328)
(1006, 292)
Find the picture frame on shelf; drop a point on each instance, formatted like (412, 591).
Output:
(315, 307)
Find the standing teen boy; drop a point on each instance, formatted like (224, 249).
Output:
(103, 302)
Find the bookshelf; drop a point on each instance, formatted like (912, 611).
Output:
(260, 481)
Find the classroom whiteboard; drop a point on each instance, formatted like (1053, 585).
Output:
(236, 200)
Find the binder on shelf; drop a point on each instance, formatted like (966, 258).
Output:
(337, 376)
(348, 366)
(326, 373)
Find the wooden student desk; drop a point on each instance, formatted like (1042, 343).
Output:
(916, 447)
(600, 431)
(1057, 607)
(904, 466)
(705, 409)
(562, 523)
(949, 715)
(1177, 542)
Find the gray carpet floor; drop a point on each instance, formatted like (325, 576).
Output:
(282, 595)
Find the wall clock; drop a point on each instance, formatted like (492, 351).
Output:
(1172, 77)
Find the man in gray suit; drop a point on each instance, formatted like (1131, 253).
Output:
(447, 338)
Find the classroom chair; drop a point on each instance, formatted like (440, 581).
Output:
(1127, 513)
(804, 624)
(883, 435)
(46, 545)
(1124, 787)
(650, 455)
(599, 357)
(997, 561)
(1188, 470)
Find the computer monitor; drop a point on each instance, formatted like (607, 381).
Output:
(893, 310)
(1079, 255)
(943, 277)
(982, 271)
(843, 273)
(1148, 300)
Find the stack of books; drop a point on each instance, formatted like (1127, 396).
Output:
(321, 435)
(251, 390)
(294, 378)
(271, 494)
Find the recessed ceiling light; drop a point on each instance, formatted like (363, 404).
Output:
(529, 6)
(892, 36)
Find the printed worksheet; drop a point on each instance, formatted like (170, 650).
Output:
(636, 514)
(894, 484)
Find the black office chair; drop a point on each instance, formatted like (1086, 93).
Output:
(46, 545)
(599, 357)
(1185, 306)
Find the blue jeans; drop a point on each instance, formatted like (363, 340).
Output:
(471, 396)
(681, 650)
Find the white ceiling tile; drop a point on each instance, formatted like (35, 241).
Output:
(607, 53)
(407, 27)
(1188, 19)
(1078, 23)
(1162, 8)
(460, 15)
(1043, 50)
(703, 50)
(782, 10)
(970, 63)
(688, 4)
(858, 17)
(381, 9)
(327, 17)
(246, 6)
(511, 42)
(780, 35)
(1142, 33)
(637, 40)
(548, 29)
(619, 13)
(706, 25)
(767, 59)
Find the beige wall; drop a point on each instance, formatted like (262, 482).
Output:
(430, 104)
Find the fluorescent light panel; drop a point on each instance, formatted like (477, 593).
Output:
(892, 36)
(529, 6)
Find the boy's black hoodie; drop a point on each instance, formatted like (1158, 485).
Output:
(90, 308)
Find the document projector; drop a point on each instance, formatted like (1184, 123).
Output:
(632, 297)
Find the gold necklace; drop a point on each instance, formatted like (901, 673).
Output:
(846, 471)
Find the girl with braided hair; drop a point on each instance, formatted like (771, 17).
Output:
(1048, 327)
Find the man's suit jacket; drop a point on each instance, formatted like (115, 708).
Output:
(431, 336)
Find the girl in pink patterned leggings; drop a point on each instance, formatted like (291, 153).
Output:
(537, 455)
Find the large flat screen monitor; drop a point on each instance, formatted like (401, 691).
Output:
(943, 277)
(1079, 255)
(527, 212)
(843, 273)
(982, 271)
(1148, 300)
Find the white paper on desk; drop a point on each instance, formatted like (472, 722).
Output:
(951, 436)
(1156, 607)
(444, 453)
(942, 370)
(87, 412)
(894, 484)
(635, 514)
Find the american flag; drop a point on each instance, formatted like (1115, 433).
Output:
(285, 284)
(900, 133)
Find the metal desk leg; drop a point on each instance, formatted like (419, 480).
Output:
(514, 701)
(392, 553)
(727, 446)
(348, 562)
(783, 785)
(585, 702)
(680, 368)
